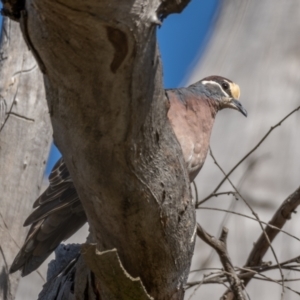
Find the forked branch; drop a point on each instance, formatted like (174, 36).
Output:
(281, 216)
(247, 155)
(220, 246)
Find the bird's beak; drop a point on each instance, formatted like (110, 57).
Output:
(235, 104)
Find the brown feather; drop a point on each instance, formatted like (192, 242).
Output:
(192, 118)
(57, 216)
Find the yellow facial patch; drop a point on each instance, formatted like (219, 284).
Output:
(235, 90)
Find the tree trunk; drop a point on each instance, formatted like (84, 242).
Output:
(25, 136)
(103, 79)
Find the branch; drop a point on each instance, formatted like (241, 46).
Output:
(247, 155)
(221, 248)
(251, 218)
(255, 215)
(281, 216)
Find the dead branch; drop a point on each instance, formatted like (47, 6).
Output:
(247, 155)
(250, 218)
(221, 248)
(281, 216)
(251, 209)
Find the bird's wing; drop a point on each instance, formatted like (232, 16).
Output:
(58, 214)
(59, 179)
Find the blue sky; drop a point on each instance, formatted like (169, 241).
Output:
(182, 38)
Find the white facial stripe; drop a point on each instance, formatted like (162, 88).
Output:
(215, 83)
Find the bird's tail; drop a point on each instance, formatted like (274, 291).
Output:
(58, 215)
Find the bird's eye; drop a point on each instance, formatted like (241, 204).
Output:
(225, 85)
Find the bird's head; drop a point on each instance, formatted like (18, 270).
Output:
(224, 91)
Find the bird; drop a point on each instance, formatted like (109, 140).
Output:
(58, 211)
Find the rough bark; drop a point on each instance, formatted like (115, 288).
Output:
(102, 74)
(25, 136)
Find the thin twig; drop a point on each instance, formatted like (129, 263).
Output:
(196, 192)
(251, 218)
(6, 272)
(13, 101)
(281, 216)
(250, 168)
(216, 195)
(197, 287)
(269, 279)
(260, 268)
(220, 278)
(278, 280)
(205, 269)
(255, 215)
(249, 153)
